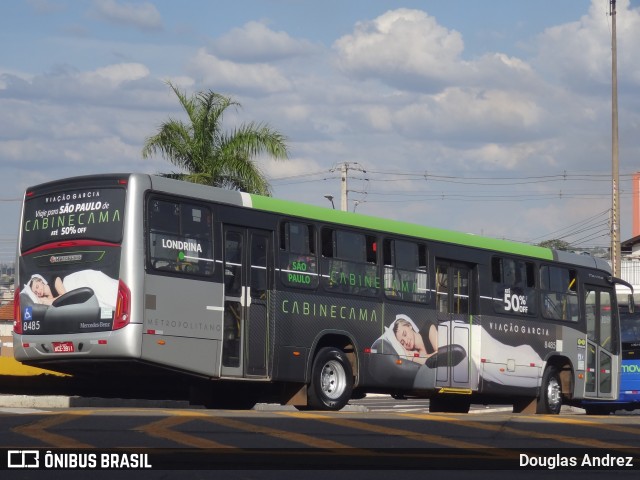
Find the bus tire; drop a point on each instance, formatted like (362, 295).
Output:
(550, 398)
(331, 380)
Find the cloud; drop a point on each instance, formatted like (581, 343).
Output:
(111, 84)
(227, 75)
(579, 53)
(45, 7)
(494, 99)
(70, 122)
(403, 47)
(255, 42)
(409, 50)
(112, 76)
(144, 16)
(475, 114)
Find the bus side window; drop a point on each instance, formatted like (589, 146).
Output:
(259, 245)
(405, 270)
(232, 264)
(442, 290)
(298, 261)
(559, 293)
(591, 315)
(349, 262)
(606, 327)
(513, 286)
(180, 237)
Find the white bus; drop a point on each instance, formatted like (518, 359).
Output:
(252, 299)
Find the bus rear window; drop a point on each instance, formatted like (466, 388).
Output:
(78, 213)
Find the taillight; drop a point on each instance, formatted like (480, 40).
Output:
(123, 307)
(17, 318)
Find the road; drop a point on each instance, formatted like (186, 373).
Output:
(386, 403)
(377, 433)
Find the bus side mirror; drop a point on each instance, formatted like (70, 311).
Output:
(631, 305)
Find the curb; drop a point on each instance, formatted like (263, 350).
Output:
(32, 401)
(64, 401)
(60, 401)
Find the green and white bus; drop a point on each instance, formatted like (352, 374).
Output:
(259, 299)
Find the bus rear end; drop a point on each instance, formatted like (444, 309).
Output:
(70, 303)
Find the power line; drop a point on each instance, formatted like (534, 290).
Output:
(598, 234)
(487, 198)
(523, 179)
(433, 176)
(574, 225)
(302, 175)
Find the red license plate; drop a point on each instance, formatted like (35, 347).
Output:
(63, 347)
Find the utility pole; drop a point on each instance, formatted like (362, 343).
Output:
(344, 183)
(615, 190)
(344, 192)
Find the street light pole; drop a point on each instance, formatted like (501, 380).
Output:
(330, 198)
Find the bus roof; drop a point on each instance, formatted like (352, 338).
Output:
(393, 226)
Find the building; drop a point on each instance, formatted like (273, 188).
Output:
(630, 249)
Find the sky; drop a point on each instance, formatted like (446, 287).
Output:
(488, 117)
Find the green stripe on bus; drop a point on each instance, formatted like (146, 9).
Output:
(295, 209)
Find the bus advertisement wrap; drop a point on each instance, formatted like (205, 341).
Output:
(258, 299)
(412, 348)
(71, 286)
(95, 214)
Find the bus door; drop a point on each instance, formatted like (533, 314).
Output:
(245, 332)
(454, 331)
(602, 344)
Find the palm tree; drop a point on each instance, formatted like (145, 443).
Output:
(205, 154)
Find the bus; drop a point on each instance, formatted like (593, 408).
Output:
(253, 299)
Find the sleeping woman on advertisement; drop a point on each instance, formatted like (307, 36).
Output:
(416, 349)
(403, 340)
(104, 287)
(38, 290)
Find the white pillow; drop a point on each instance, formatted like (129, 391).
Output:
(390, 337)
(29, 292)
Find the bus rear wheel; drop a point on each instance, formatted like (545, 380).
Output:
(550, 399)
(331, 380)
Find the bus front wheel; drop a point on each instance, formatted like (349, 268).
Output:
(550, 399)
(331, 380)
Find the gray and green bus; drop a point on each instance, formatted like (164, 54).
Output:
(255, 299)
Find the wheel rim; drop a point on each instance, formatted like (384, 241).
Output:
(333, 380)
(553, 394)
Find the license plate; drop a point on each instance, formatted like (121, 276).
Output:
(63, 347)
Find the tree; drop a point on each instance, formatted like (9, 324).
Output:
(206, 154)
(556, 244)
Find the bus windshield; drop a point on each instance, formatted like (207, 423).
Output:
(630, 326)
